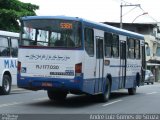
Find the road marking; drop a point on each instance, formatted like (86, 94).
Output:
(111, 103)
(10, 104)
(41, 99)
(151, 93)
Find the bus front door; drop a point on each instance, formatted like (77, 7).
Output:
(123, 61)
(99, 65)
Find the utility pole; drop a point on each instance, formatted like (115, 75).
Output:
(121, 6)
(121, 16)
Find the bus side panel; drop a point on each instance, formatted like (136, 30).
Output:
(112, 69)
(92, 69)
(8, 65)
(133, 67)
(115, 83)
(89, 69)
(130, 80)
(89, 85)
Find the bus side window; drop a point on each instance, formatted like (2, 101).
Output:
(14, 47)
(137, 49)
(4, 47)
(131, 48)
(115, 45)
(89, 41)
(108, 44)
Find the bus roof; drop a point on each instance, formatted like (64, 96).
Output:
(92, 24)
(9, 34)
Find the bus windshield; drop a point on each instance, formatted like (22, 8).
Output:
(51, 33)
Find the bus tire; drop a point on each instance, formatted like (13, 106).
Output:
(132, 91)
(138, 79)
(106, 95)
(6, 85)
(57, 95)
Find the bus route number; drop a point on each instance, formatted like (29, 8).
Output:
(66, 25)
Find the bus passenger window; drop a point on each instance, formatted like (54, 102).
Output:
(137, 49)
(115, 45)
(4, 48)
(108, 44)
(111, 45)
(14, 47)
(131, 49)
(107, 51)
(89, 41)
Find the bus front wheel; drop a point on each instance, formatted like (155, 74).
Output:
(6, 85)
(57, 95)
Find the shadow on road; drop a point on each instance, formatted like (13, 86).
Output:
(78, 101)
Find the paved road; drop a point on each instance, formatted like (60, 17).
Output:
(31, 102)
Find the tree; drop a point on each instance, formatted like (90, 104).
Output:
(11, 11)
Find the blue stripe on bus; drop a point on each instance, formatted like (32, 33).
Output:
(36, 82)
(89, 86)
(117, 65)
(133, 66)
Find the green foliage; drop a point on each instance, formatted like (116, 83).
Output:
(11, 11)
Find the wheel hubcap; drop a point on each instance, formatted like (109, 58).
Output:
(6, 85)
(108, 91)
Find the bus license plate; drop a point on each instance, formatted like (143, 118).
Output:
(46, 84)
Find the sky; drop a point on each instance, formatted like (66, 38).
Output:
(101, 10)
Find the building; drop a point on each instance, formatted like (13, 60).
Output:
(151, 32)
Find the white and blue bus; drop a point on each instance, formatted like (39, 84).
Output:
(71, 55)
(8, 60)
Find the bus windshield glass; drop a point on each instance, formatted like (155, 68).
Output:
(51, 33)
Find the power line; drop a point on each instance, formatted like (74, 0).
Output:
(148, 14)
(126, 2)
(126, 5)
(140, 8)
(138, 5)
(129, 11)
(152, 18)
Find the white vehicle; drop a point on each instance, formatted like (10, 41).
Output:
(8, 60)
(71, 55)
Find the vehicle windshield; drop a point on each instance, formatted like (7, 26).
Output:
(51, 33)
